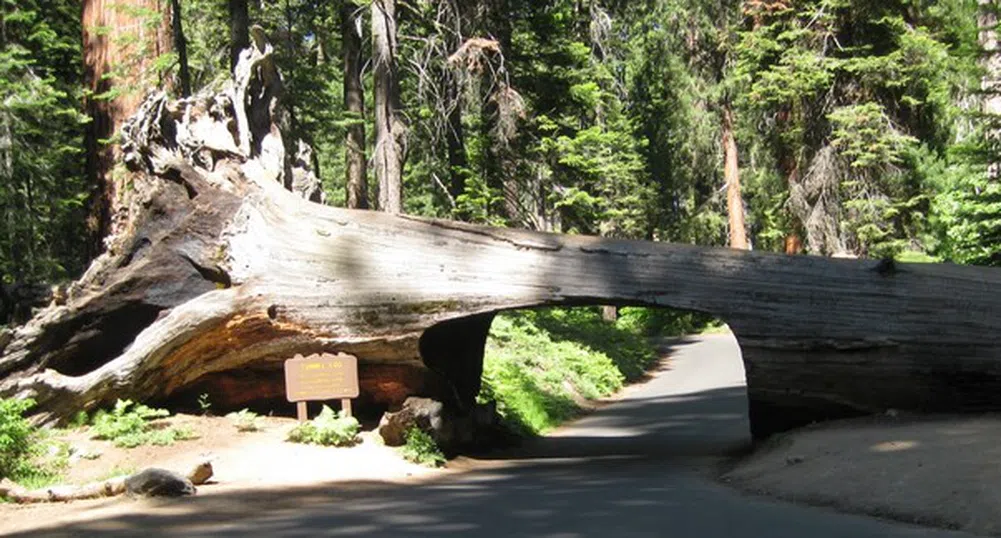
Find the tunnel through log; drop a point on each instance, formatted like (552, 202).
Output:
(244, 272)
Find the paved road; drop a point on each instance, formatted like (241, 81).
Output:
(634, 468)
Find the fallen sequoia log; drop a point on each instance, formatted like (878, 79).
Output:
(224, 271)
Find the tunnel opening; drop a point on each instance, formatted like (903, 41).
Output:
(545, 366)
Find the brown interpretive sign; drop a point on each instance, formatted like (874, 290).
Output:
(321, 377)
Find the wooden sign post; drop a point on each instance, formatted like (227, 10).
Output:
(321, 377)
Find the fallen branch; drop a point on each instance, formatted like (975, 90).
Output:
(94, 490)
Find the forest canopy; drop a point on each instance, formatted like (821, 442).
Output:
(830, 127)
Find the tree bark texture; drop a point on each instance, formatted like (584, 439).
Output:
(990, 84)
(731, 174)
(181, 47)
(390, 131)
(354, 107)
(239, 30)
(115, 40)
(221, 274)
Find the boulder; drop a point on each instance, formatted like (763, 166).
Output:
(450, 430)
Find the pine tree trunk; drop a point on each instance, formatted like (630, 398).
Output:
(987, 22)
(239, 30)
(731, 174)
(181, 47)
(455, 139)
(390, 132)
(356, 173)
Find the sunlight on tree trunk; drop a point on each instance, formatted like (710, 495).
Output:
(991, 81)
(354, 106)
(120, 49)
(390, 131)
(731, 174)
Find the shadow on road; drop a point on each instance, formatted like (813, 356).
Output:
(597, 476)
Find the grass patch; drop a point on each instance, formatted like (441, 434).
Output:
(540, 363)
(420, 448)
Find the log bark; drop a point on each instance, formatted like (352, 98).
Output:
(223, 272)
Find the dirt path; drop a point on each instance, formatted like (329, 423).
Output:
(241, 460)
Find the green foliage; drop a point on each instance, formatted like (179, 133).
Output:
(204, 404)
(42, 190)
(421, 449)
(27, 455)
(18, 438)
(538, 364)
(128, 425)
(329, 428)
(245, 420)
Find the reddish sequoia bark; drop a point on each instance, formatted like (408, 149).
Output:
(115, 40)
(221, 272)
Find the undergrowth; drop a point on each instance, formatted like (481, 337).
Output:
(329, 428)
(420, 448)
(130, 424)
(28, 455)
(541, 364)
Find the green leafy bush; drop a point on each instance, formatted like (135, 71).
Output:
(26, 455)
(245, 420)
(329, 428)
(18, 438)
(421, 449)
(128, 425)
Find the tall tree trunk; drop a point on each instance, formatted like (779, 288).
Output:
(500, 166)
(390, 131)
(116, 39)
(455, 139)
(731, 174)
(987, 21)
(239, 30)
(181, 47)
(354, 107)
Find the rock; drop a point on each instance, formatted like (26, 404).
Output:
(423, 413)
(155, 482)
(451, 431)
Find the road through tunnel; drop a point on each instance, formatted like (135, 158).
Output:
(546, 365)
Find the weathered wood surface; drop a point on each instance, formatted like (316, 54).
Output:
(223, 271)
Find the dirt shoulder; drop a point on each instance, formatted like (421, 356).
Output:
(941, 471)
(241, 461)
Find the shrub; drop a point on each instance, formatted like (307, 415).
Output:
(25, 455)
(421, 449)
(329, 428)
(128, 426)
(245, 420)
(18, 438)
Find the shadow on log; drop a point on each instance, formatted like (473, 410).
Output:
(225, 268)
